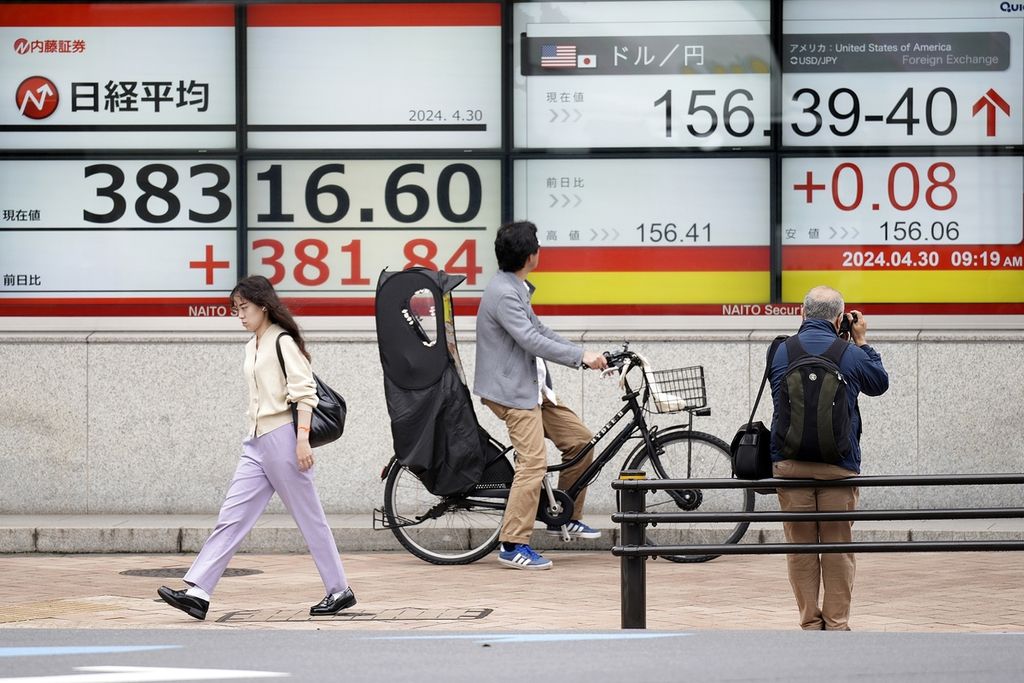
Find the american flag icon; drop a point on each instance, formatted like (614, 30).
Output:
(558, 56)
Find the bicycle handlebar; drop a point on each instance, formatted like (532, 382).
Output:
(617, 359)
(623, 361)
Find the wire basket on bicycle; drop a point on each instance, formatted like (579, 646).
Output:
(672, 391)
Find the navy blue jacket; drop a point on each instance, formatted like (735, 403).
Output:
(861, 366)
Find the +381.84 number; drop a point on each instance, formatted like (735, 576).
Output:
(312, 270)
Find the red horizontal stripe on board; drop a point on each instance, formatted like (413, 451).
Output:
(320, 306)
(652, 259)
(150, 307)
(383, 14)
(464, 306)
(835, 257)
(116, 14)
(146, 307)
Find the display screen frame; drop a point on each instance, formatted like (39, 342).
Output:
(400, 176)
(278, 121)
(945, 74)
(670, 250)
(81, 92)
(710, 119)
(959, 275)
(339, 315)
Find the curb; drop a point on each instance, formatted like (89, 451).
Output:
(277, 534)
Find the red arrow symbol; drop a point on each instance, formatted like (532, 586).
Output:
(989, 101)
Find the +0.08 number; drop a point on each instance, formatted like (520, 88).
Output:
(163, 192)
(392, 191)
(310, 254)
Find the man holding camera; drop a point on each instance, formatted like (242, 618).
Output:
(810, 442)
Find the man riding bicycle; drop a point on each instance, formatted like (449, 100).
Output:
(512, 380)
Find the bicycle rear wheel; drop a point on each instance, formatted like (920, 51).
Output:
(692, 455)
(455, 529)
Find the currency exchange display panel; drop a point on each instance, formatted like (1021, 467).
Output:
(374, 75)
(117, 76)
(641, 74)
(913, 228)
(680, 157)
(914, 72)
(648, 235)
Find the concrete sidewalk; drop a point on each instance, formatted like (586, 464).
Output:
(951, 592)
(82, 571)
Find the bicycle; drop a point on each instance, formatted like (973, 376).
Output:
(462, 528)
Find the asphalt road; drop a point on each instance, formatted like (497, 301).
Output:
(111, 656)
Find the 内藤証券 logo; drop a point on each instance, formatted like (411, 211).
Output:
(37, 97)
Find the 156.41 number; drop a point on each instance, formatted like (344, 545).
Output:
(312, 270)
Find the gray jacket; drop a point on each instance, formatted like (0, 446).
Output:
(509, 338)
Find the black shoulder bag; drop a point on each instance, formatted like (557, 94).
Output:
(328, 419)
(751, 447)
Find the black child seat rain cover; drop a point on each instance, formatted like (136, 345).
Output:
(435, 431)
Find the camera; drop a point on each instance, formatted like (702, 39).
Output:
(845, 325)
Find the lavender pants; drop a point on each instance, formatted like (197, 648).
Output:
(268, 464)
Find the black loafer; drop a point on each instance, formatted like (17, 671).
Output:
(330, 605)
(192, 606)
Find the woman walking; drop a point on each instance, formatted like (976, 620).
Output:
(276, 456)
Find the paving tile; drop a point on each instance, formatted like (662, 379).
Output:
(928, 592)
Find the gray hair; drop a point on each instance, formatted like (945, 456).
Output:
(823, 303)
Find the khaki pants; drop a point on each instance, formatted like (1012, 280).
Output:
(527, 430)
(808, 572)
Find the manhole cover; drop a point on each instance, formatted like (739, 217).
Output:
(394, 614)
(179, 572)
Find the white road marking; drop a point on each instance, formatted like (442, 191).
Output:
(143, 674)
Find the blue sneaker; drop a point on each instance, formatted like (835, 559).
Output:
(523, 556)
(576, 529)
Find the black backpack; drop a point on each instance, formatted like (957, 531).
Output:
(814, 416)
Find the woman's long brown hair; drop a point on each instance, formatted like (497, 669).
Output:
(258, 290)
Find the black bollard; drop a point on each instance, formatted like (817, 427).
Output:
(634, 577)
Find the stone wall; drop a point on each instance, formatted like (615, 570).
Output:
(118, 423)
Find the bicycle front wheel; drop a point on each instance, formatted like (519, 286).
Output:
(456, 529)
(692, 455)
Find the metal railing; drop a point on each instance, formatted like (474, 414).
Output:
(633, 517)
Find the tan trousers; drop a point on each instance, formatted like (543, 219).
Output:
(808, 572)
(527, 430)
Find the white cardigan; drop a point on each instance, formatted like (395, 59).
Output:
(270, 397)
